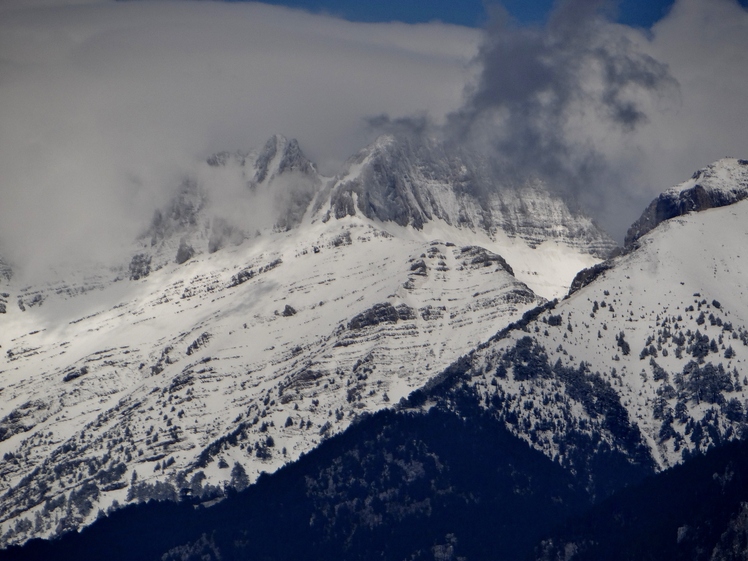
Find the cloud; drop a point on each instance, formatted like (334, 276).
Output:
(549, 97)
(705, 44)
(607, 114)
(106, 106)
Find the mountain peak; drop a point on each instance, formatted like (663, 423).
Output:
(721, 183)
(413, 182)
(280, 155)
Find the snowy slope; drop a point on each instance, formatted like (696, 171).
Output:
(652, 356)
(218, 346)
(143, 372)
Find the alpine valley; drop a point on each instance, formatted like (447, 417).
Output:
(409, 360)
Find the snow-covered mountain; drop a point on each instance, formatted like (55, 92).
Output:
(400, 180)
(641, 367)
(230, 339)
(647, 358)
(220, 352)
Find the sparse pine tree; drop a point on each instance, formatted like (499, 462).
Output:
(239, 478)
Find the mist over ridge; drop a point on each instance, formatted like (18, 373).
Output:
(110, 106)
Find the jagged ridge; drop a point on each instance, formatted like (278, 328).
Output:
(413, 181)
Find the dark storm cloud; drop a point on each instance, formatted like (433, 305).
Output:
(417, 125)
(545, 94)
(546, 70)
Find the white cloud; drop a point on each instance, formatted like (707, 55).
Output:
(106, 105)
(705, 43)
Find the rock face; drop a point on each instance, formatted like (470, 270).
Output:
(185, 252)
(398, 180)
(412, 182)
(6, 273)
(586, 276)
(140, 266)
(720, 184)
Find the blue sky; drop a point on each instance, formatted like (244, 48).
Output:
(639, 13)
